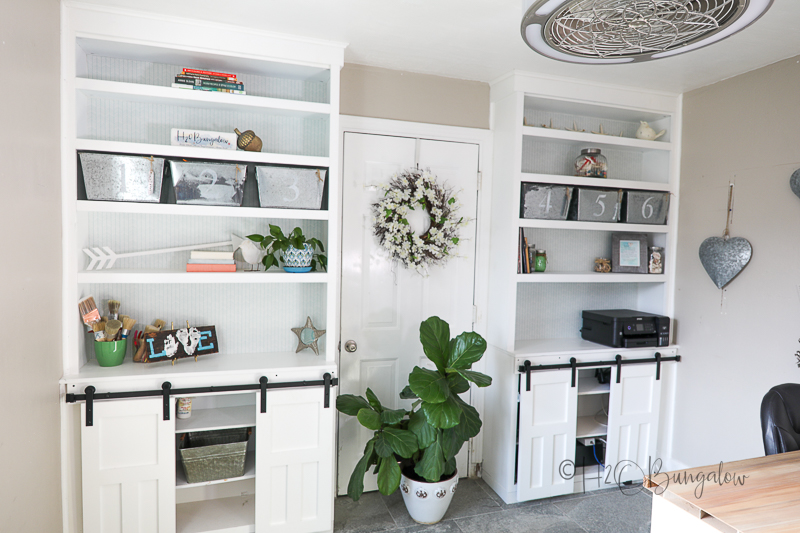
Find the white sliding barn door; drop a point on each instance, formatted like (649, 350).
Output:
(128, 464)
(633, 414)
(294, 462)
(547, 428)
(383, 303)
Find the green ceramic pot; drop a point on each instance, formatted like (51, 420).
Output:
(110, 353)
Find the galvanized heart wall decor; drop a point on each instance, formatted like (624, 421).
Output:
(723, 258)
(794, 182)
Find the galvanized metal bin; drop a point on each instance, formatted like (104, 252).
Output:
(200, 183)
(645, 207)
(544, 201)
(288, 187)
(596, 205)
(211, 455)
(122, 178)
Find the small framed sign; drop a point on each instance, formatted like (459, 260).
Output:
(174, 344)
(203, 139)
(629, 253)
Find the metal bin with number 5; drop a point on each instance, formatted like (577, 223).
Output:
(543, 201)
(596, 205)
(645, 207)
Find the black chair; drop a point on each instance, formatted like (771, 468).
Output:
(780, 419)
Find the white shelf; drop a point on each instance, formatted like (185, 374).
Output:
(529, 177)
(207, 367)
(97, 206)
(589, 277)
(592, 226)
(249, 473)
(171, 276)
(589, 386)
(589, 427)
(595, 139)
(191, 152)
(577, 346)
(241, 416)
(223, 515)
(211, 100)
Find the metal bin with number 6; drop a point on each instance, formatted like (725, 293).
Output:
(543, 201)
(596, 205)
(645, 207)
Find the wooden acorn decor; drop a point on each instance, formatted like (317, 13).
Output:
(248, 141)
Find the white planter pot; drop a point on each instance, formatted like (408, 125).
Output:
(428, 502)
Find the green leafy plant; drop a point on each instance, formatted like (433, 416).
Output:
(426, 439)
(276, 243)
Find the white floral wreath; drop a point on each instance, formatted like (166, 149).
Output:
(408, 191)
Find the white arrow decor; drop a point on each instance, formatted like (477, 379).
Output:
(104, 257)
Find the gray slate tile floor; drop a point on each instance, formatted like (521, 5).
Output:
(477, 509)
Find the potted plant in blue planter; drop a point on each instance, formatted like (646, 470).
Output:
(295, 251)
(415, 450)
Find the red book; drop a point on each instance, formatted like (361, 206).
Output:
(209, 73)
(202, 267)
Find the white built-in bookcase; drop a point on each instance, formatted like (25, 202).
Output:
(540, 313)
(117, 98)
(117, 70)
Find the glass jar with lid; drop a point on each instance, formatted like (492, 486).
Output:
(591, 164)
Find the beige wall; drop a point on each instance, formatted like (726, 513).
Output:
(393, 94)
(747, 130)
(30, 270)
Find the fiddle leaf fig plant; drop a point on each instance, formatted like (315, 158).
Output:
(276, 243)
(423, 441)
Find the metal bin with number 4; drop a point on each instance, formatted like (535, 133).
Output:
(596, 205)
(645, 207)
(543, 201)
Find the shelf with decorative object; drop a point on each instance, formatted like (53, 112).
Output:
(589, 277)
(579, 138)
(608, 183)
(249, 473)
(592, 226)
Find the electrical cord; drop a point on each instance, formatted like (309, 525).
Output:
(594, 452)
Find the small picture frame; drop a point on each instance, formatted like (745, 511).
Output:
(629, 253)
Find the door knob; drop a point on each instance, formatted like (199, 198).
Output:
(350, 346)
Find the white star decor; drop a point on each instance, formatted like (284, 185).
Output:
(307, 336)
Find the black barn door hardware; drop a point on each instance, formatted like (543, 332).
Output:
(91, 395)
(574, 365)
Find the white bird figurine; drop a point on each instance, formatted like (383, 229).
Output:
(646, 133)
(252, 253)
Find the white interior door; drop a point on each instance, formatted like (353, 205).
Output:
(383, 304)
(633, 413)
(548, 417)
(294, 462)
(128, 465)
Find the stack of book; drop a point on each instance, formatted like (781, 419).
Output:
(525, 255)
(206, 80)
(202, 261)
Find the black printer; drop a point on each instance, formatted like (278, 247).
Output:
(625, 328)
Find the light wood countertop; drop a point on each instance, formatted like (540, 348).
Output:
(755, 495)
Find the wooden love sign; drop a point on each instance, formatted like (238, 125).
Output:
(174, 344)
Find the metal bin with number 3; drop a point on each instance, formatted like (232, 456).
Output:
(645, 207)
(596, 205)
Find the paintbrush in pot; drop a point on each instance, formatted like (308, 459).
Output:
(127, 326)
(99, 329)
(89, 312)
(113, 309)
(112, 328)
